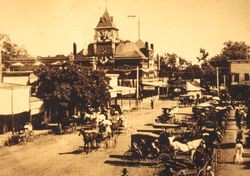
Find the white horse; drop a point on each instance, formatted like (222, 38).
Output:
(185, 147)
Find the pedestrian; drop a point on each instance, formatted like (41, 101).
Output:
(152, 104)
(238, 118)
(197, 98)
(238, 152)
(239, 135)
(124, 172)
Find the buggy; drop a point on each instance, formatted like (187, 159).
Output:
(142, 148)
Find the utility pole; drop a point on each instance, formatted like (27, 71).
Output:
(225, 81)
(218, 80)
(137, 83)
(139, 25)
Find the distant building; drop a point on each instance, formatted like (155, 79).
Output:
(109, 53)
(240, 77)
(240, 72)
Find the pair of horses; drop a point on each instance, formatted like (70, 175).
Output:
(93, 138)
(89, 139)
(201, 149)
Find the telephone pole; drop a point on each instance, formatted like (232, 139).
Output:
(218, 80)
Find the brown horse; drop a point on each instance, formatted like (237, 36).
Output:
(89, 139)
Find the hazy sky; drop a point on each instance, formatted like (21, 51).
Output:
(49, 27)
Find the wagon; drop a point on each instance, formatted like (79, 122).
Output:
(165, 116)
(142, 148)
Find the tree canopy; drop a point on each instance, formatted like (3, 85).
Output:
(71, 86)
(11, 50)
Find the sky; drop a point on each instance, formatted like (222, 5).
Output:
(49, 27)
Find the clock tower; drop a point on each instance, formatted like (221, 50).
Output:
(106, 37)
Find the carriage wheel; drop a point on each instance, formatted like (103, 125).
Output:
(181, 173)
(201, 173)
(159, 169)
(131, 157)
(199, 159)
(163, 158)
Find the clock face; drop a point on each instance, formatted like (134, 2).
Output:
(104, 35)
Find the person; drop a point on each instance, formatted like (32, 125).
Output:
(163, 138)
(152, 104)
(239, 135)
(124, 172)
(209, 171)
(238, 118)
(197, 98)
(238, 152)
(28, 130)
(28, 126)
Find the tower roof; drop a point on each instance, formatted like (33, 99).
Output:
(140, 44)
(106, 22)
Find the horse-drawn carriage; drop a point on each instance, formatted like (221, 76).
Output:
(165, 116)
(142, 148)
(105, 134)
(186, 100)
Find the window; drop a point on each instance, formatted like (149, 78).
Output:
(235, 77)
(246, 76)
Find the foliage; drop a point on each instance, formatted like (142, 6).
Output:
(235, 50)
(70, 86)
(11, 50)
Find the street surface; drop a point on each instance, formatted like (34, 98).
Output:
(59, 154)
(226, 167)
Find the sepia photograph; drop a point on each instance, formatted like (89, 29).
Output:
(124, 88)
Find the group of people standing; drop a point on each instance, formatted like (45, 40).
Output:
(240, 115)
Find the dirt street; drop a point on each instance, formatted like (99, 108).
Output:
(226, 167)
(58, 155)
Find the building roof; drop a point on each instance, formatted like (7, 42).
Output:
(106, 21)
(140, 44)
(240, 60)
(12, 86)
(129, 50)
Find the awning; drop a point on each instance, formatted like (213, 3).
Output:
(36, 105)
(17, 64)
(155, 84)
(56, 63)
(38, 63)
(192, 88)
(123, 90)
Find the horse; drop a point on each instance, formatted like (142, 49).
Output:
(88, 139)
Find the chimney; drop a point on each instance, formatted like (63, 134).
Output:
(74, 49)
(146, 45)
(152, 46)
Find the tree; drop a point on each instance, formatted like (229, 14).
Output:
(235, 50)
(71, 86)
(203, 56)
(11, 50)
(168, 65)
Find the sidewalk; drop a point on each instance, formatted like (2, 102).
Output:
(226, 167)
(4, 137)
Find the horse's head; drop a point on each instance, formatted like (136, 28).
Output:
(81, 132)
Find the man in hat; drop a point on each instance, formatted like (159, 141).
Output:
(124, 172)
